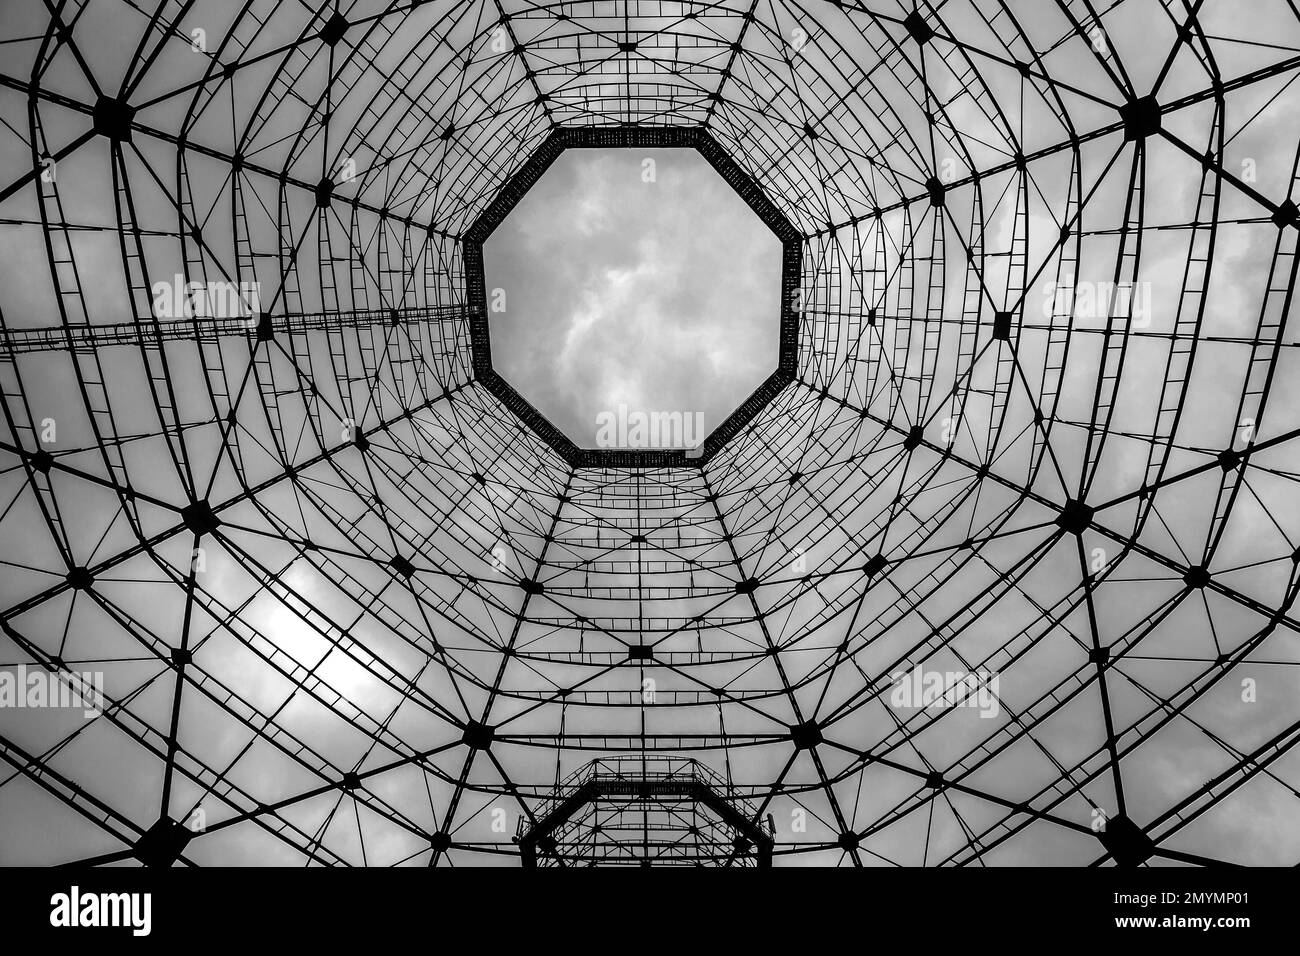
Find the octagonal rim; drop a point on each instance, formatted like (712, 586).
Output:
(512, 193)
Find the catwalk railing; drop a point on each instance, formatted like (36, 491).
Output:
(263, 326)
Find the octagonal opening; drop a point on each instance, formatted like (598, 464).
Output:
(633, 286)
(633, 300)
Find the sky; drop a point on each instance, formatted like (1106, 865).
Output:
(661, 295)
(312, 655)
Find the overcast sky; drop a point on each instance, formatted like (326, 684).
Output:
(311, 654)
(660, 295)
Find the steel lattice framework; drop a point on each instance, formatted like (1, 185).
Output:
(348, 606)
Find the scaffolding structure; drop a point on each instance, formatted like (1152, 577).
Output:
(352, 608)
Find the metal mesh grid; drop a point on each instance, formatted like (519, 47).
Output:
(346, 605)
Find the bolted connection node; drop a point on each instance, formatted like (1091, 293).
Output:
(747, 586)
(913, 439)
(477, 736)
(41, 461)
(874, 565)
(200, 518)
(335, 27)
(1075, 517)
(1287, 214)
(1197, 577)
(936, 191)
(1125, 841)
(162, 844)
(1141, 118)
(112, 118)
(806, 735)
(917, 28)
(80, 579)
(640, 652)
(402, 566)
(324, 193)
(265, 328)
(1002, 326)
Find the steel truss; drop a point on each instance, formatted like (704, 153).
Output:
(352, 609)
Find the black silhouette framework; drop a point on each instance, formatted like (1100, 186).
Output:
(350, 609)
(632, 137)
